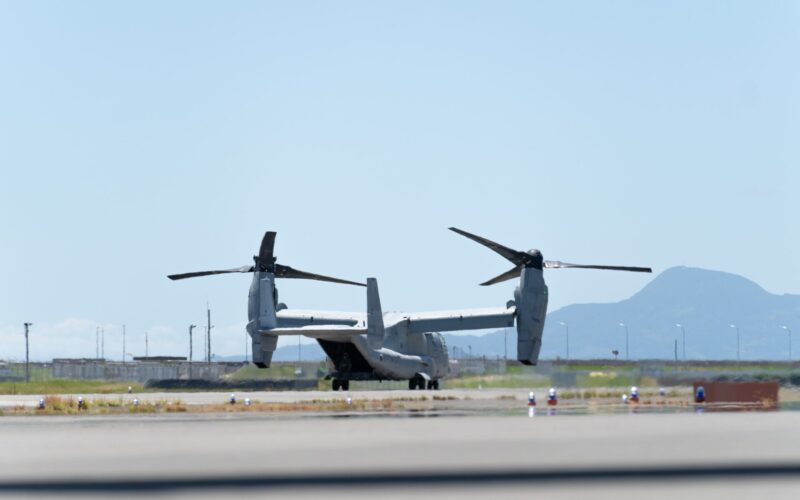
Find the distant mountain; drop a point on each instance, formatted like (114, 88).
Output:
(705, 302)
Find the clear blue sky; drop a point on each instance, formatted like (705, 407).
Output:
(145, 138)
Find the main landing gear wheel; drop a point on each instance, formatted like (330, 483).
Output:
(340, 384)
(433, 385)
(416, 383)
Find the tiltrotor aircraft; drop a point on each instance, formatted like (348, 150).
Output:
(393, 346)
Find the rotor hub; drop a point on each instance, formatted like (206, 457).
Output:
(534, 259)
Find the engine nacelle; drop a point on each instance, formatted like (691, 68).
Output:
(531, 301)
(261, 307)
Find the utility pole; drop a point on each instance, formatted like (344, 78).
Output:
(97, 343)
(676, 350)
(123, 344)
(102, 343)
(146, 346)
(191, 327)
(27, 354)
(208, 334)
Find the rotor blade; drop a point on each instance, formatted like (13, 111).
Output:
(289, 272)
(243, 269)
(514, 256)
(265, 255)
(554, 264)
(511, 273)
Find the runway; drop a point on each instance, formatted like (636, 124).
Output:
(735, 455)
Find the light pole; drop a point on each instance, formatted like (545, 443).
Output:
(191, 327)
(208, 333)
(789, 330)
(146, 346)
(623, 325)
(566, 329)
(123, 344)
(738, 358)
(683, 330)
(27, 357)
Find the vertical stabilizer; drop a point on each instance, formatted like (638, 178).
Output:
(375, 329)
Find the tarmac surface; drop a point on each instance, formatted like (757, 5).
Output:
(475, 398)
(298, 455)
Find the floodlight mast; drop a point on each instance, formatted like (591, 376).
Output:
(27, 354)
(191, 327)
(789, 330)
(683, 331)
(738, 357)
(566, 328)
(208, 333)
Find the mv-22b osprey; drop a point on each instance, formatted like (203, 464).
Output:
(393, 346)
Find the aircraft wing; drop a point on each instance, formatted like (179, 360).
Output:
(300, 318)
(448, 321)
(332, 332)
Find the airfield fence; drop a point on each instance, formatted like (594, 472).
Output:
(559, 373)
(135, 371)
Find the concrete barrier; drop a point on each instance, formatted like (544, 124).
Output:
(765, 393)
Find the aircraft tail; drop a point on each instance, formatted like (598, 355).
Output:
(375, 330)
